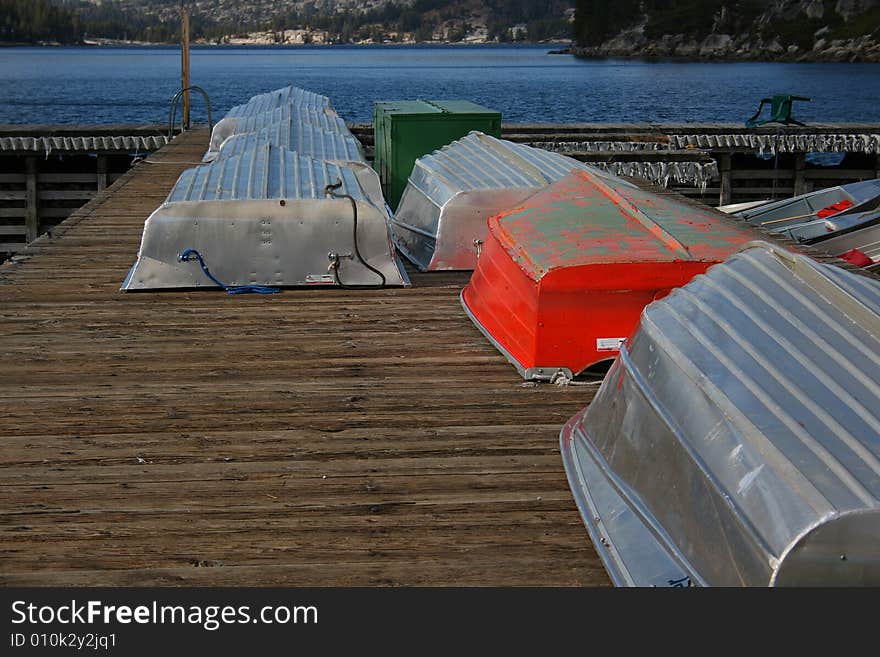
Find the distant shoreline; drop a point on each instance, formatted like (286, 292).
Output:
(808, 58)
(554, 48)
(204, 44)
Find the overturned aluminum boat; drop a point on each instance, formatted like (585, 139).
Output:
(860, 246)
(817, 230)
(265, 104)
(440, 222)
(736, 440)
(562, 279)
(265, 217)
(271, 100)
(778, 216)
(324, 118)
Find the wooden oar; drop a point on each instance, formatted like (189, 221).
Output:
(800, 216)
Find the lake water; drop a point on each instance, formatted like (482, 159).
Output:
(134, 85)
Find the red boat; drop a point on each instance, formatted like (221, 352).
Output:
(562, 280)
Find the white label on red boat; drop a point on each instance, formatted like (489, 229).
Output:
(320, 279)
(609, 344)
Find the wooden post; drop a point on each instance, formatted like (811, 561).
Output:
(726, 187)
(32, 199)
(184, 63)
(102, 172)
(800, 183)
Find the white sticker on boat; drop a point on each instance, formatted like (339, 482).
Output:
(609, 344)
(320, 279)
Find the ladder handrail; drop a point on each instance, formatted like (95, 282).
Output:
(172, 116)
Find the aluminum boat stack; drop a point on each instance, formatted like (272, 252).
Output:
(284, 198)
(814, 215)
(259, 111)
(841, 221)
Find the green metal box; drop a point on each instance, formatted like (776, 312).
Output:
(405, 130)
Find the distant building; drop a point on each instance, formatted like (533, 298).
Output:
(519, 31)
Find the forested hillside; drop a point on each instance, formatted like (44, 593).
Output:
(28, 21)
(63, 21)
(333, 21)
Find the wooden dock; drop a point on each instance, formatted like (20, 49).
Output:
(49, 171)
(311, 438)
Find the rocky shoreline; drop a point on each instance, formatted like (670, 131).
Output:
(725, 47)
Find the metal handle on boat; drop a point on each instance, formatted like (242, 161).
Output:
(334, 259)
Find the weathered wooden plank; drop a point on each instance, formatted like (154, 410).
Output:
(839, 174)
(781, 191)
(54, 213)
(67, 178)
(66, 194)
(101, 175)
(761, 174)
(377, 570)
(814, 174)
(725, 196)
(32, 200)
(800, 185)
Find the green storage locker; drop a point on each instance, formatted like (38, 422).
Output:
(404, 130)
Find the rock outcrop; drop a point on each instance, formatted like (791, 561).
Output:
(786, 30)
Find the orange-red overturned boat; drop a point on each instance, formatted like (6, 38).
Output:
(562, 280)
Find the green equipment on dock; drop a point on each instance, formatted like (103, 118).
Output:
(405, 130)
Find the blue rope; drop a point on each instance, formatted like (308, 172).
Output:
(191, 254)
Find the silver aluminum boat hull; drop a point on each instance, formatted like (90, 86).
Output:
(866, 240)
(624, 538)
(264, 217)
(324, 119)
(303, 138)
(265, 104)
(778, 215)
(289, 95)
(263, 243)
(333, 148)
(814, 232)
(461, 226)
(736, 440)
(441, 220)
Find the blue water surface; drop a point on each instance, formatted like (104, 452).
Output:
(134, 85)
